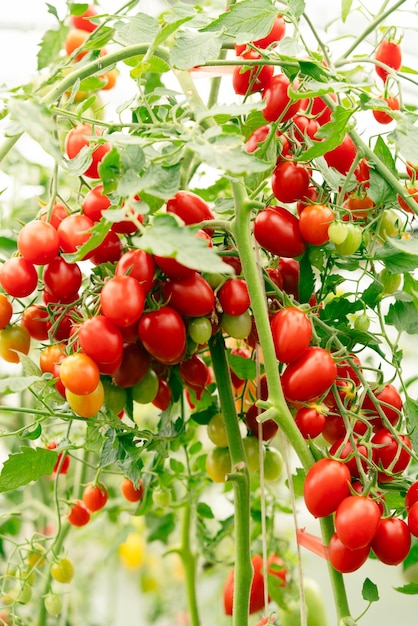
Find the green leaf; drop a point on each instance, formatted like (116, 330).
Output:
(203, 510)
(314, 70)
(345, 9)
(411, 589)
(227, 153)
(52, 10)
(35, 119)
(176, 466)
(78, 8)
(193, 48)
(31, 433)
(244, 368)
(51, 45)
(110, 170)
(296, 7)
(162, 182)
(411, 414)
(298, 481)
(98, 39)
(26, 466)
(370, 591)
(332, 134)
(245, 21)
(399, 255)
(405, 136)
(225, 112)
(167, 237)
(403, 316)
(160, 526)
(380, 191)
(410, 286)
(307, 279)
(17, 384)
(139, 28)
(372, 294)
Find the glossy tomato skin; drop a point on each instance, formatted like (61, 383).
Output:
(389, 53)
(388, 454)
(81, 22)
(277, 230)
(88, 404)
(289, 269)
(194, 371)
(108, 251)
(35, 319)
(268, 428)
(310, 422)
(278, 104)
(191, 296)
(100, 339)
(62, 279)
(80, 136)
(275, 35)
(354, 458)
(343, 559)
(388, 396)
(122, 300)
(139, 265)
(234, 297)
(6, 311)
(190, 207)
(382, 116)
(131, 492)
(79, 515)
(256, 592)
(342, 157)
(95, 497)
(292, 333)
(392, 541)
(95, 203)
(251, 80)
(411, 495)
(38, 242)
(356, 521)
(79, 373)
(327, 483)
(73, 232)
(18, 277)
(309, 376)
(163, 334)
(14, 339)
(289, 182)
(133, 367)
(314, 222)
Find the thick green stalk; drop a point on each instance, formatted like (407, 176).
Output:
(189, 565)
(240, 477)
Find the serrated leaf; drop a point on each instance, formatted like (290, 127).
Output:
(162, 182)
(345, 9)
(193, 48)
(405, 137)
(410, 286)
(52, 10)
(17, 384)
(243, 367)
(98, 39)
(380, 191)
(26, 466)
(370, 591)
(296, 7)
(227, 153)
(290, 47)
(203, 510)
(166, 237)
(109, 170)
(372, 294)
(411, 414)
(398, 257)
(411, 589)
(51, 45)
(331, 134)
(313, 70)
(403, 316)
(246, 21)
(224, 112)
(139, 28)
(35, 119)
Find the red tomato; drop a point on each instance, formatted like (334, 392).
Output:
(95, 497)
(389, 53)
(79, 373)
(81, 136)
(343, 559)
(95, 203)
(191, 296)
(139, 265)
(327, 483)
(194, 372)
(413, 519)
(321, 111)
(100, 339)
(257, 588)
(59, 211)
(309, 376)
(305, 127)
(50, 356)
(310, 422)
(6, 311)
(411, 495)
(334, 428)
(63, 462)
(389, 454)
(163, 398)
(291, 330)
(342, 157)
(133, 367)
(163, 334)
(278, 104)
(268, 428)
(78, 515)
(251, 80)
(62, 279)
(310, 197)
(314, 222)
(82, 22)
(35, 319)
(18, 277)
(275, 35)
(122, 300)
(412, 190)
(381, 116)
(38, 242)
(109, 251)
(392, 541)
(172, 268)
(289, 181)
(356, 521)
(233, 296)
(131, 492)
(190, 207)
(354, 457)
(389, 402)
(289, 269)
(260, 134)
(277, 230)
(74, 231)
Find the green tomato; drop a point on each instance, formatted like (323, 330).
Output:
(21, 594)
(315, 607)
(114, 396)
(146, 390)
(63, 570)
(273, 464)
(391, 282)
(389, 224)
(352, 242)
(252, 453)
(200, 330)
(362, 322)
(237, 326)
(217, 432)
(53, 604)
(338, 232)
(218, 464)
(161, 497)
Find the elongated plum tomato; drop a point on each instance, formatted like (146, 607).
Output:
(278, 104)
(95, 497)
(81, 136)
(389, 53)
(392, 541)
(343, 559)
(254, 79)
(342, 157)
(62, 279)
(292, 333)
(38, 242)
(122, 300)
(79, 515)
(101, 339)
(133, 367)
(390, 453)
(86, 405)
(289, 181)
(130, 491)
(140, 265)
(191, 296)
(190, 207)
(309, 376)
(275, 35)
(256, 592)
(233, 296)
(356, 521)
(382, 116)
(327, 483)
(163, 334)
(389, 402)
(277, 230)
(79, 373)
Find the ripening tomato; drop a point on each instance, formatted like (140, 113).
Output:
(82, 22)
(382, 116)
(277, 230)
(314, 222)
(291, 330)
(256, 78)
(289, 269)
(81, 136)
(389, 53)
(95, 497)
(190, 207)
(256, 592)
(309, 376)
(163, 334)
(390, 454)
(78, 515)
(389, 402)
(342, 157)
(289, 182)
(63, 570)
(38, 242)
(343, 559)
(58, 212)
(359, 205)
(18, 277)
(411, 190)
(275, 35)
(356, 521)
(63, 461)
(278, 103)
(327, 483)
(14, 339)
(75, 39)
(233, 296)
(122, 300)
(130, 491)
(392, 541)
(191, 296)
(50, 355)
(88, 404)
(310, 421)
(35, 319)
(6, 311)
(133, 367)
(79, 373)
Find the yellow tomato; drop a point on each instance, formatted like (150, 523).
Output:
(87, 405)
(132, 551)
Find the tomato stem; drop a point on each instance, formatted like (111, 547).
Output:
(188, 559)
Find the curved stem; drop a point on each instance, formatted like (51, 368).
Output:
(189, 565)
